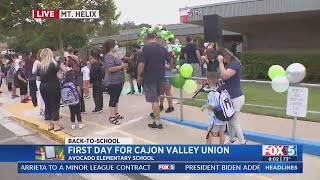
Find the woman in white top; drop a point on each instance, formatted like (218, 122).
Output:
(35, 70)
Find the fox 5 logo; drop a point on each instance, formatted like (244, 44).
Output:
(277, 150)
(166, 167)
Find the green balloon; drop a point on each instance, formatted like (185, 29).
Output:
(276, 70)
(190, 86)
(178, 81)
(186, 70)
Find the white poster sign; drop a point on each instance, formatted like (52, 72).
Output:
(297, 101)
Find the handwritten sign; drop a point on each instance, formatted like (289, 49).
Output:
(297, 101)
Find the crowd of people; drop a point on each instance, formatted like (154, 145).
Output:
(52, 82)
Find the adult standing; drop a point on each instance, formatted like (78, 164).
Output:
(15, 65)
(151, 72)
(231, 74)
(29, 61)
(133, 67)
(96, 81)
(50, 89)
(115, 69)
(36, 71)
(193, 57)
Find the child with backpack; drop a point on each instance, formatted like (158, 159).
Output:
(216, 126)
(79, 80)
(21, 78)
(70, 93)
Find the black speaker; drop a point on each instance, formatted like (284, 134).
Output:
(212, 26)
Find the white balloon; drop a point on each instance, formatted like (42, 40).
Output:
(296, 72)
(280, 84)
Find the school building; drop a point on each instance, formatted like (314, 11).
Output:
(266, 25)
(179, 30)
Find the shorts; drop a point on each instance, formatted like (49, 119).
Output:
(85, 84)
(216, 129)
(23, 88)
(197, 72)
(204, 72)
(168, 80)
(152, 91)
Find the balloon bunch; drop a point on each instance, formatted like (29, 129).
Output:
(176, 50)
(281, 78)
(180, 81)
(164, 34)
(158, 30)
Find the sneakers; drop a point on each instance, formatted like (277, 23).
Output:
(73, 126)
(170, 109)
(161, 108)
(24, 101)
(230, 142)
(139, 94)
(82, 113)
(206, 89)
(155, 126)
(152, 115)
(14, 96)
(81, 126)
(97, 111)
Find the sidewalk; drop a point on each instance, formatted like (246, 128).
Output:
(134, 109)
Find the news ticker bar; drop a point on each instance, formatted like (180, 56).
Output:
(152, 153)
(235, 167)
(65, 14)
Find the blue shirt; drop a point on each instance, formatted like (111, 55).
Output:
(232, 85)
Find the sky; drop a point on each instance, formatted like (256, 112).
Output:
(156, 11)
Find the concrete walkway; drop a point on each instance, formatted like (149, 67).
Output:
(134, 109)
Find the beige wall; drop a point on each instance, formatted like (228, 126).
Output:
(296, 36)
(278, 32)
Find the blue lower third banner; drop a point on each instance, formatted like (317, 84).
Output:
(114, 167)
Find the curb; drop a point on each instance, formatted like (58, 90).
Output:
(309, 147)
(58, 137)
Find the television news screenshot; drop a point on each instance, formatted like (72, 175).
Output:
(159, 90)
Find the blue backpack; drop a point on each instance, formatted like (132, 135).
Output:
(69, 94)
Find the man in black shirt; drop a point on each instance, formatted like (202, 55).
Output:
(133, 66)
(96, 80)
(193, 57)
(151, 72)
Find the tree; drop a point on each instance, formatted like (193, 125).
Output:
(17, 22)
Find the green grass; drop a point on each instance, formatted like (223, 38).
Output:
(262, 94)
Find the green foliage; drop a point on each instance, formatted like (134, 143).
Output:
(76, 40)
(255, 65)
(199, 39)
(28, 34)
